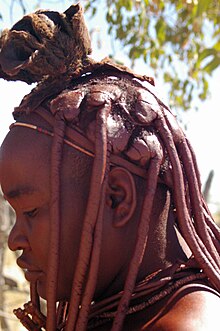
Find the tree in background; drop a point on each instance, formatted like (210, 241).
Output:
(179, 40)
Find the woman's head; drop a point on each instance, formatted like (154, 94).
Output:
(26, 182)
(95, 166)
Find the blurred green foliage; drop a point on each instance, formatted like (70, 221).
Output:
(178, 39)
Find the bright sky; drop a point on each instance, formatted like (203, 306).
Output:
(202, 127)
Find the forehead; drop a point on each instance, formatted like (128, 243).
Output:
(24, 143)
(24, 161)
(24, 139)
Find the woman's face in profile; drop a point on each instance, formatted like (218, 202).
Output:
(25, 181)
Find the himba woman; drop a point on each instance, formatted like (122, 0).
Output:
(112, 227)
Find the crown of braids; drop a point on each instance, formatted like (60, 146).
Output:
(120, 116)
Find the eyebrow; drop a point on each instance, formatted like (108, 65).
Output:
(15, 193)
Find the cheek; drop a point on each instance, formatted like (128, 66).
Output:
(71, 229)
(39, 241)
(73, 212)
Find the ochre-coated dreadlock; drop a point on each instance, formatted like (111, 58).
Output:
(120, 121)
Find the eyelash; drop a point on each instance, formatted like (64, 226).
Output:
(31, 213)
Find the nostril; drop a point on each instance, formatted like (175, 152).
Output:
(17, 241)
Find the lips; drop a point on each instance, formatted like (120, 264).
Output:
(31, 272)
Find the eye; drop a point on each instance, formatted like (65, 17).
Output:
(31, 213)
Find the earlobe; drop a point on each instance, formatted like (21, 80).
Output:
(121, 195)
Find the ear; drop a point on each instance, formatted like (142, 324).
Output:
(121, 195)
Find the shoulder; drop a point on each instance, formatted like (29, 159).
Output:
(195, 307)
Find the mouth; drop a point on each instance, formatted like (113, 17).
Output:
(31, 273)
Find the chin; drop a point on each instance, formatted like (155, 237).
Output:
(60, 295)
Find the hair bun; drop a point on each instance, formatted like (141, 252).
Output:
(45, 43)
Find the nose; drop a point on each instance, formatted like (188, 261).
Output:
(17, 240)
